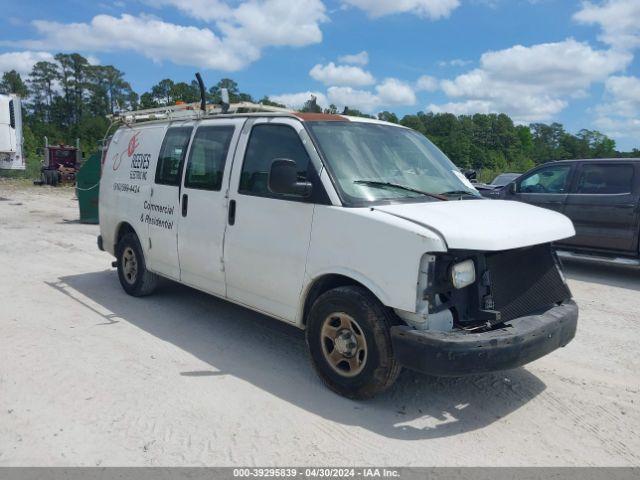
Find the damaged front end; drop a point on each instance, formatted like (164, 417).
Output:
(516, 307)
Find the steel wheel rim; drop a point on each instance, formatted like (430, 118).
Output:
(343, 344)
(129, 265)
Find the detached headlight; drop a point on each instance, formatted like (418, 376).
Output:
(463, 274)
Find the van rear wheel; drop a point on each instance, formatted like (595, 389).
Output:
(349, 342)
(134, 277)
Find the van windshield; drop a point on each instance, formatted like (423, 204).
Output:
(372, 163)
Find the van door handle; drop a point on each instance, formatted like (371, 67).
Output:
(185, 204)
(232, 212)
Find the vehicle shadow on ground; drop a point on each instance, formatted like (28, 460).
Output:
(610, 275)
(271, 355)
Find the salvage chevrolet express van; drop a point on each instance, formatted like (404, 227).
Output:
(358, 231)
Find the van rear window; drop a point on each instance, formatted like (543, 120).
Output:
(172, 153)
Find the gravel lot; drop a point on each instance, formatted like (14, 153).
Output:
(90, 376)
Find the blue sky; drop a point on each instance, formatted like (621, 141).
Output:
(569, 61)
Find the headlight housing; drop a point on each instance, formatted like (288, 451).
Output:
(463, 274)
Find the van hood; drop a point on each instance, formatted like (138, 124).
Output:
(488, 225)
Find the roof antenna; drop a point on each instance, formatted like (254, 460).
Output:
(203, 96)
(224, 99)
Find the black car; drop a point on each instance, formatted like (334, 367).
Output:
(600, 196)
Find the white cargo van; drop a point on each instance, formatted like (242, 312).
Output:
(11, 156)
(359, 231)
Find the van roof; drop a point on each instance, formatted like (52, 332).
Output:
(186, 112)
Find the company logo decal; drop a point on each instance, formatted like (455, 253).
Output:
(133, 144)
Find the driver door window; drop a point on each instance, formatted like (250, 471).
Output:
(267, 143)
(553, 179)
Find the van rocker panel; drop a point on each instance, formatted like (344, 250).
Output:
(459, 353)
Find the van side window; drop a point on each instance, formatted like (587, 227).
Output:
(605, 179)
(172, 153)
(207, 157)
(267, 143)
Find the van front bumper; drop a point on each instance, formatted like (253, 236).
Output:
(459, 352)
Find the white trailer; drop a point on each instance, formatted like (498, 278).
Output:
(11, 156)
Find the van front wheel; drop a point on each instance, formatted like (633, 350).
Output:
(349, 343)
(134, 277)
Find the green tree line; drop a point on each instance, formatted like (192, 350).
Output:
(70, 98)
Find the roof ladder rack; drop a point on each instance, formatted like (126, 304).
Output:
(191, 111)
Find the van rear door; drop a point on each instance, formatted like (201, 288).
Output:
(203, 204)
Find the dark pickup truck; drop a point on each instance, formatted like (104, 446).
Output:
(601, 197)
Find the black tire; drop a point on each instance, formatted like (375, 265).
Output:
(379, 370)
(142, 282)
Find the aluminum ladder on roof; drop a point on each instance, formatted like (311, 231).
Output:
(187, 111)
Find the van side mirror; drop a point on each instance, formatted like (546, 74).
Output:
(471, 175)
(283, 179)
(512, 187)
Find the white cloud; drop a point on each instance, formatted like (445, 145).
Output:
(93, 60)
(293, 23)
(347, 96)
(618, 19)
(456, 62)
(530, 109)
(22, 62)
(431, 9)
(395, 92)
(624, 93)
(243, 32)
(387, 94)
(361, 58)
(391, 92)
(531, 83)
(620, 128)
(619, 115)
(205, 10)
(341, 75)
(153, 38)
(427, 83)
(297, 100)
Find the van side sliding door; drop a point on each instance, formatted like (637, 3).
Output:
(162, 210)
(203, 204)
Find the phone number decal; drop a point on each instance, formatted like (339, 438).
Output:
(126, 187)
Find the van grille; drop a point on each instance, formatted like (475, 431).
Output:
(524, 281)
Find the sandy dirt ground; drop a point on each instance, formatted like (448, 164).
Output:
(90, 376)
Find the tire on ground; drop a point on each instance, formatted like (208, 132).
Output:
(380, 369)
(145, 281)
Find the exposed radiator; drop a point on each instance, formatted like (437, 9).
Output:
(524, 281)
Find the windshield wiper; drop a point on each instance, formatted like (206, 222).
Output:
(376, 183)
(459, 192)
